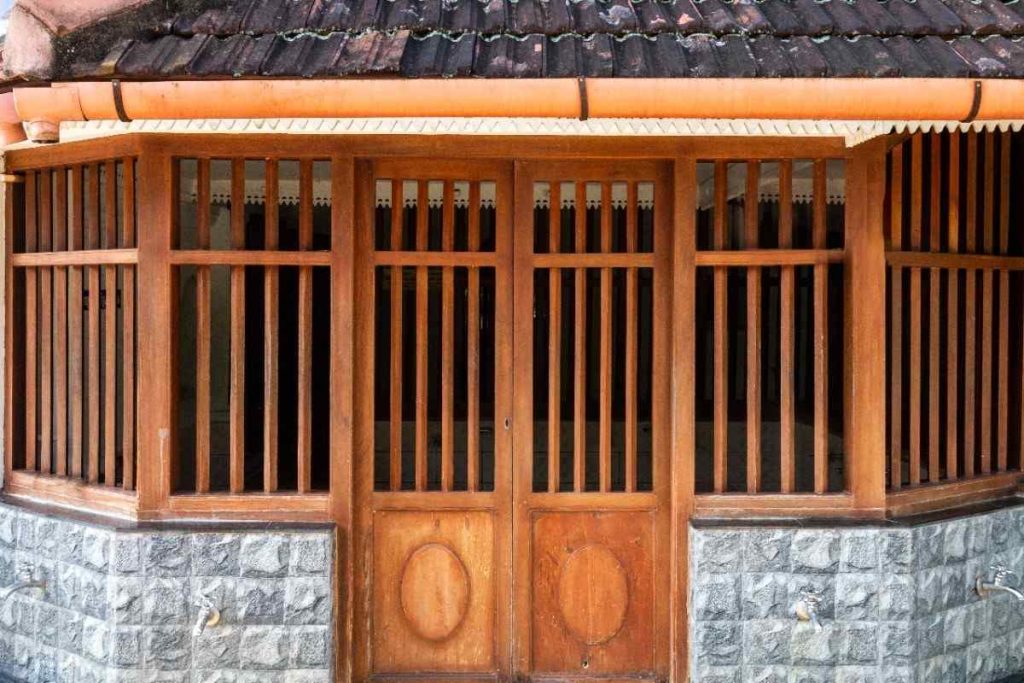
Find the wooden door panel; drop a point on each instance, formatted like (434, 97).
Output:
(434, 591)
(593, 592)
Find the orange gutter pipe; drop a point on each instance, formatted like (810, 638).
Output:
(11, 130)
(793, 98)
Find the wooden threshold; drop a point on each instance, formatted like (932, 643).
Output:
(249, 506)
(769, 505)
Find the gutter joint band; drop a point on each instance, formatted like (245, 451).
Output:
(975, 104)
(122, 115)
(584, 104)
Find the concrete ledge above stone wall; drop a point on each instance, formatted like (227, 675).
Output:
(898, 606)
(121, 600)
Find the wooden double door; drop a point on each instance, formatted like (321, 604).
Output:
(512, 471)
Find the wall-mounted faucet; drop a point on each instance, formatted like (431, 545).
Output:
(998, 583)
(26, 579)
(806, 608)
(208, 615)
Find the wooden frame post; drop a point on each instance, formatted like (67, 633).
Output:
(155, 429)
(865, 291)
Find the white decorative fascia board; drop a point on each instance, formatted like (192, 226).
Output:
(852, 132)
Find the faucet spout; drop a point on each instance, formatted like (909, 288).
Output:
(998, 584)
(8, 591)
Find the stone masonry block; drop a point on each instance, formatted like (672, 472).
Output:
(767, 642)
(311, 554)
(815, 551)
(310, 647)
(215, 554)
(815, 648)
(217, 647)
(264, 555)
(165, 602)
(264, 647)
(767, 550)
(167, 649)
(764, 595)
(897, 642)
(857, 596)
(260, 602)
(126, 646)
(717, 643)
(167, 554)
(717, 597)
(308, 602)
(858, 550)
(859, 643)
(897, 597)
(897, 551)
(126, 554)
(929, 546)
(718, 551)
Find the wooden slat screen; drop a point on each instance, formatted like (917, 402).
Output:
(955, 275)
(769, 326)
(434, 334)
(252, 272)
(593, 258)
(74, 291)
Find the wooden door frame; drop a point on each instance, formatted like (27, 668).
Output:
(366, 501)
(665, 493)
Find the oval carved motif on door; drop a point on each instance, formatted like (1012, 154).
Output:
(593, 594)
(434, 591)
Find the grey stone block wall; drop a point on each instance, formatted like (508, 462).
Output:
(120, 602)
(899, 602)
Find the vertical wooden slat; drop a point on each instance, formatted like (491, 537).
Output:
(110, 333)
(422, 334)
(128, 331)
(987, 295)
(305, 348)
(75, 303)
(236, 398)
(54, 329)
(1003, 399)
(31, 323)
(916, 189)
(750, 214)
(720, 438)
(271, 328)
(554, 341)
(605, 349)
(787, 449)
(202, 478)
(397, 214)
(14, 321)
(448, 343)
(970, 297)
(896, 321)
(52, 338)
(92, 222)
(580, 346)
(935, 215)
(820, 332)
(953, 311)
(473, 346)
(632, 208)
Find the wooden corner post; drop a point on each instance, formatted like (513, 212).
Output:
(865, 292)
(155, 329)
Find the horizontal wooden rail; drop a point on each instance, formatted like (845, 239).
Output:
(83, 257)
(778, 505)
(208, 257)
(928, 497)
(436, 259)
(922, 259)
(256, 505)
(71, 492)
(606, 260)
(754, 258)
